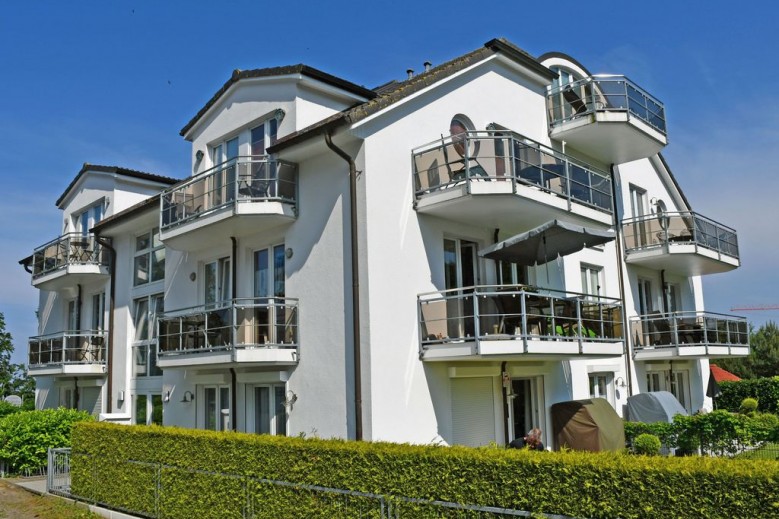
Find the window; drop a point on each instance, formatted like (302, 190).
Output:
(224, 151)
(149, 264)
(98, 311)
(600, 385)
(145, 313)
(512, 274)
(148, 409)
(645, 305)
(216, 408)
(72, 316)
(269, 283)
(88, 218)
(653, 382)
(591, 280)
(270, 415)
(67, 398)
(263, 136)
(672, 297)
(218, 277)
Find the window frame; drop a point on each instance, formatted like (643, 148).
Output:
(203, 419)
(149, 405)
(594, 388)
(276, 408)
(154, 245)
(145, 348)
(587, 270)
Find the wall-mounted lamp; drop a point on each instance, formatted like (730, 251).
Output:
(188, 397)
(291, 399)
(192, 276)
(166, 398)
(620, 382)
(120, 397)
(289, 252)
(199, 155)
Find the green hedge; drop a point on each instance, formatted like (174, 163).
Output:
(719, 432)
(765, 390)
(26, 436)
(123, 465)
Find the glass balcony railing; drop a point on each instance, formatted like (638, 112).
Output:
(233, 324)
(243, 179)
(517, 312)
(682, 228)
(68, 249)
(604, 93)
(504, 156)
(68, 347)
(656, 330)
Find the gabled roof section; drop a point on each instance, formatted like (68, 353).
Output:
(393, 92)
(117, 171)
(676, 182)
(130, 212)
(279, 71)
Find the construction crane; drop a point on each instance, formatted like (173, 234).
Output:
(755, 308)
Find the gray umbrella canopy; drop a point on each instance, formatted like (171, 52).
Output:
(546, 242)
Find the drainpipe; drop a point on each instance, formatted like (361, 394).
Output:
(355, 284)
(79, 302)
(76, 396)
(233, 381)
(27, 267)
(665, 292)
(505, 404)
(111, 308)
(620, 263)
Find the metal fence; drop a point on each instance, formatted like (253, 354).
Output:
(335, 502)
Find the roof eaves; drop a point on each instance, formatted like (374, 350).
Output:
(675, 182)
(521, 56)
(126, 214)
(118, 171)
(563, 55)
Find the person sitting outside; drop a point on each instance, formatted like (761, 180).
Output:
(532, 441)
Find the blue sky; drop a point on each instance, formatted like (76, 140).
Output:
(113, 83)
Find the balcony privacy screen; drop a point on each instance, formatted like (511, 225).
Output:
(546, 242)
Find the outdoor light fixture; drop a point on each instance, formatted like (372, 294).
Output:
(166, 398)
(188, 397)
(199, 155)
(289, 252)
(192, 276)
(620, 382)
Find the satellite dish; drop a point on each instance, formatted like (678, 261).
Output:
(14, 400)
(661, 212)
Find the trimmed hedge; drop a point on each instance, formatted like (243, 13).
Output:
(26, 436)
(764, 390)
(719, 432)
(123, 465)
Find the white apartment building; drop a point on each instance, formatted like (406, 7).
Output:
(436, 260)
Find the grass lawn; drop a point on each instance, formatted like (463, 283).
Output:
(17, 503)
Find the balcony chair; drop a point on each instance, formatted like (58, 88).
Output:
(461, 172)
(661, 330)
(573, 99)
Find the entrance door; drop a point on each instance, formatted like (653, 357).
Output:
(524, 406)
(461, 271)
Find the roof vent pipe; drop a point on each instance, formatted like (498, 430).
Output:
(427, 66)
(410, 73)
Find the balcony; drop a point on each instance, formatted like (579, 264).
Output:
(609, 118)
(239, 197)
(69, 260)
(512, 322)
(684, 243)
(259, 331)
(504, 180)
(689, 335)
(69, 353)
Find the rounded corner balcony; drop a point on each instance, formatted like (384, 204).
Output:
(689, 335)
(608, 117)
(511, 322)
(69, 260)
(502, 179)
(246, 332)
(68, 353)
(242, 196)
(680, 242)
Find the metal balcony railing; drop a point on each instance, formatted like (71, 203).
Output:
(68, 249)
(682, 228)
(68, 347)
(495, 312)
(656, 330)
(243, 179)
(269, 322)
(604, 93)
(504, 156)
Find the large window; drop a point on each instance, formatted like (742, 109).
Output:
(270, 415)
(263, 136)
(601, 386)
(218, 285)
(149, 263)
(591, 280)
(216, 408)
(145, 313)
(98, 311)
(88, 218)
(148, 409)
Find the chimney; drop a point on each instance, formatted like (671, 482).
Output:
(427, 66)
(410, 73)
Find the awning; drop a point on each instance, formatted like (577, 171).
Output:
(546, 242)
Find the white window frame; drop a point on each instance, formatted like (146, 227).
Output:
(90, 215)
(98, 311)
(223, 284)
(149, 252)
(146, 347)
(594, 387)
(270, 128)
(149, 407)
(587, 271)
(273, 402)
(218, 416)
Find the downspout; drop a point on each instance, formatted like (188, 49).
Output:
(355, 284)
(111, 308)
(79, 302)
(503, 364)
(620, 263)
(233, 381)
(665, 292)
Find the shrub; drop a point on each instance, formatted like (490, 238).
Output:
(6, 409)
(26, 437)
(748, 405)
(765, 390)
(647, 444)
(180, 473)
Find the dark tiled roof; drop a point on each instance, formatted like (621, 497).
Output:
(390, 93)
(121, 216)
(116, 170)
(279, 71)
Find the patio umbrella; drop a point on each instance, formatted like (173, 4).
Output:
(713, 390)
(546, 242)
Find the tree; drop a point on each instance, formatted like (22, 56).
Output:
(13, 377)
(763, 359)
